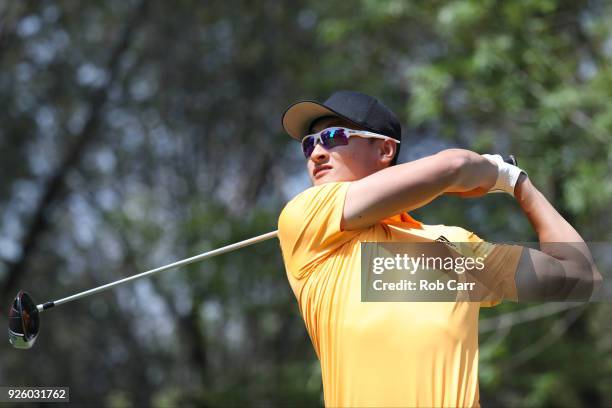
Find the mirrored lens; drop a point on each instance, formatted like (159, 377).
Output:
(308, 146)
(334, 137)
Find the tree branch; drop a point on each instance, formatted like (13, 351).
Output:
(55, 189)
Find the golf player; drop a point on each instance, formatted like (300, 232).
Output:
(403, 354)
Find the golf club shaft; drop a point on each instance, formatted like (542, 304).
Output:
(509, 159)
(187, 261)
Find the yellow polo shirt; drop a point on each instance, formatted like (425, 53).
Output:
(380, 354)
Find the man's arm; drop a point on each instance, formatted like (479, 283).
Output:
(412, 185)
(564, 268)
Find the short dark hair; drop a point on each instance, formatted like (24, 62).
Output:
(314, 122)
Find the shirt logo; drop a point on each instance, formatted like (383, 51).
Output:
(445, 240)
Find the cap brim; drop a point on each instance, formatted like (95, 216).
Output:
(298, 117)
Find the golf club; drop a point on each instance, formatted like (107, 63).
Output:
(24, 314)
(24, 319)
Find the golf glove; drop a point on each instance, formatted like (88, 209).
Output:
(507, 175)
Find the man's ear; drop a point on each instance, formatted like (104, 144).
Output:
(387, 152)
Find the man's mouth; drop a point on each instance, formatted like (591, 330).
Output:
(321, 170)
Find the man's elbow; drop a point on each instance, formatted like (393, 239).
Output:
(571, 281)
(597, 280)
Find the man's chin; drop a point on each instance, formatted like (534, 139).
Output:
(325, 178)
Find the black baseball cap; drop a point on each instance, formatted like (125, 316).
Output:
(363, 110)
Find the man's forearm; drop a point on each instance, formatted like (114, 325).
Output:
(412, 185)
(546, 221)
(577, 274)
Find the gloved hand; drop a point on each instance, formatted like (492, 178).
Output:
(507, 175)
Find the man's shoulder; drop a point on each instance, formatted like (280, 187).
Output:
(312, 194)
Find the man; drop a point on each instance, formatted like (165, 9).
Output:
(385, 354)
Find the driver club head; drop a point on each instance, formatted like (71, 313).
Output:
(24, 322)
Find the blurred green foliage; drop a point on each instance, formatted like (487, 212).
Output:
(135, 133)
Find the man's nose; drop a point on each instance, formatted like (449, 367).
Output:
(319, 154)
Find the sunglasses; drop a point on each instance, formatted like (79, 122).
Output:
(336, 136)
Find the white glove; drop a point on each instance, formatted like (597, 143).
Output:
(507, 175)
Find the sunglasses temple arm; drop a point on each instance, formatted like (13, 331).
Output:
(200, 257)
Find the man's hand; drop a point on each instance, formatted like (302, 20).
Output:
(507, 175)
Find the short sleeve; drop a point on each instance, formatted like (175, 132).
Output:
(309, 227)
(501, 263)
